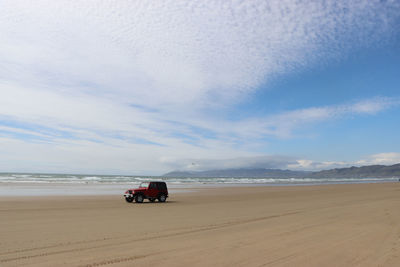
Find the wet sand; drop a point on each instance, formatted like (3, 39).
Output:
(330, 225)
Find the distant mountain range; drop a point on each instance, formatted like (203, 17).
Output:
(375, 171)
(258, 173)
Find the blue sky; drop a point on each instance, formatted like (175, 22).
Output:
(143, 87)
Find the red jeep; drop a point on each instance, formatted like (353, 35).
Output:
(148, 190)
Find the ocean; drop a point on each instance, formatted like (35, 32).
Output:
(122, 179)
(34, 184)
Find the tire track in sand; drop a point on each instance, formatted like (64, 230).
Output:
(180, 233)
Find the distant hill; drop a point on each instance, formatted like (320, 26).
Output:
(375, 171)
(236, 173)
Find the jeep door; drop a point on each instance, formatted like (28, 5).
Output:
(152, 190)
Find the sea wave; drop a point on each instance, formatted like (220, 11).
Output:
(96, 179)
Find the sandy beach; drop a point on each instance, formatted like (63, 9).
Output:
(329, 225)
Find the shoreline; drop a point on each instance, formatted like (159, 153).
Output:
(37, 189)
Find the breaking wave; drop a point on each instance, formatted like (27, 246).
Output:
(102, 179)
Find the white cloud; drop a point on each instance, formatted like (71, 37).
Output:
(174, 52)
(284, 125)
(310, 165)
(388, 158)
(278, 162)
(136, 79)
(82, 133)
(202, 164)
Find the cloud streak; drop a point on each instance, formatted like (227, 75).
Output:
(144, 80)
(68, 137)
(284, 125)
(174, 52)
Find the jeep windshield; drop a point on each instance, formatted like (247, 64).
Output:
(144, 185)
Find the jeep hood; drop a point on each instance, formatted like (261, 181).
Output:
(139, 189)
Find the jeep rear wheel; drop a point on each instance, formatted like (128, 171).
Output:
(139, 199)
(162, 198)
(129, 199)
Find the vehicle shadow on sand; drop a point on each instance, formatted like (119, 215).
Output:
(153, 203)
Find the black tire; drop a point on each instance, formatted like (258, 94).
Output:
(129, 199)
(162, 198)
(139, 198)
(152, 199)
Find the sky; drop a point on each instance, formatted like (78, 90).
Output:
(148, 87)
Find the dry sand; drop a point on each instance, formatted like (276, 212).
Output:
(331, 225)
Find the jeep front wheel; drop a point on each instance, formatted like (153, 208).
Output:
(162, 198)
(139, 199)
(129, 199)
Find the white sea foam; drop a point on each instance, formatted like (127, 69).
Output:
(13, 184)
(100, 179)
